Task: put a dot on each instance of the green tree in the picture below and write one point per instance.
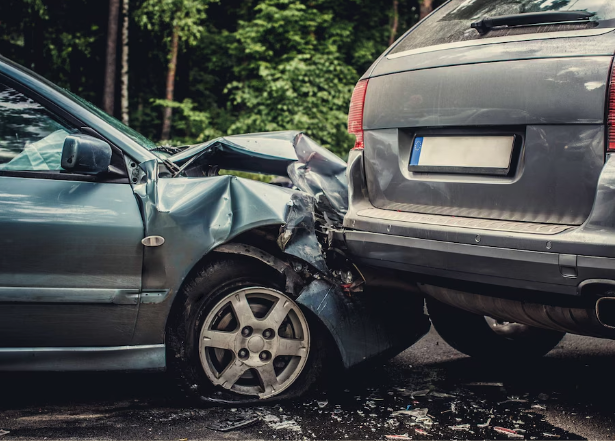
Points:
(179, 21)
(291, 75)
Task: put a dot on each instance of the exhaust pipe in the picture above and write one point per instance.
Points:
(595, 320)
(605, 311)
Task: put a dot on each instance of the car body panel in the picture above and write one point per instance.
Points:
(114, 358)
(549, 186)
(64, 237)
(525, 92)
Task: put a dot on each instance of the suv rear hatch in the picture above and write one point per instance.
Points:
(507, 126)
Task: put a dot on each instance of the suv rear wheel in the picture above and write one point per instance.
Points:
(239, 337)
(484, 337)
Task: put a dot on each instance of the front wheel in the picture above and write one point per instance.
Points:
(239, 337)
(483, 337)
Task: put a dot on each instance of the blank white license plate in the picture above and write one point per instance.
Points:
(462, 154)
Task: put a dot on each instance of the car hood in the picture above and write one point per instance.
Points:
(310, 167)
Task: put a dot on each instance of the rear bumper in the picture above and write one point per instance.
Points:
(519, 269)
(535, 259)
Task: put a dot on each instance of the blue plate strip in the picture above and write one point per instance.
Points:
(416, 151)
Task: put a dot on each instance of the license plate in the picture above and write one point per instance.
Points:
(462, 154)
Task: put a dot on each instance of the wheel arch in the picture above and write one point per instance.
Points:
(260, 247)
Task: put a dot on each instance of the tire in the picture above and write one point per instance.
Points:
(237, 309)
(482, 337)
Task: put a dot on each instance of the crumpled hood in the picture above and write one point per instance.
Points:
(311, 168)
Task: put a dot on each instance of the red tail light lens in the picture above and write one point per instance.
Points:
(610, 123)
(355, 113)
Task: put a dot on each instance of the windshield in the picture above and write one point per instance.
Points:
(133, 134)
(451, 23)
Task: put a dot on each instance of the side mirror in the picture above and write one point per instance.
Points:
(85, 154)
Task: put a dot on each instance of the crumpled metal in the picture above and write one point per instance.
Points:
(311, 168)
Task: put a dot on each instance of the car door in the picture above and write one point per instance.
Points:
(70, 251)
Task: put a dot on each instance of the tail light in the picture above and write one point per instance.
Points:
(610, 122)
(355, 114)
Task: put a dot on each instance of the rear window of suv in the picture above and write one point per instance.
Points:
(451, 23)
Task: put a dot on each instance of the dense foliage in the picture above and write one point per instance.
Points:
(243, 65)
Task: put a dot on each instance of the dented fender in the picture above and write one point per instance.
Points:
(198, 212)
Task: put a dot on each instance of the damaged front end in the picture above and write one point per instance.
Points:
(296, 231)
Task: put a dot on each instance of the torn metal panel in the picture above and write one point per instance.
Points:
(196, 215)
(366, 326)
(311, 168)
(320, 173)
(269, 153)
(298, 234)
(294, 283)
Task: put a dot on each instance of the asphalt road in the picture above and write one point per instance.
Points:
(570, 394)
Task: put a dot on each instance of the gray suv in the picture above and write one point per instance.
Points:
(483, 170)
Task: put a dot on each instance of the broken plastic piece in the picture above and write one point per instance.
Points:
(442, 395)
(405, 436)
(232, 422)
(484, 384)
(425, 421)
(420, 393)
(483, 425)
(413, 412)
(4, 432)
(460, 427)
(508, 432)
(322, 404)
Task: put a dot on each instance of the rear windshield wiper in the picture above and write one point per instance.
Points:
(531, 18)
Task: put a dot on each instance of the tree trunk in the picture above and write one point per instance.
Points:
(124, 80)
(168, 111)
(109, 92)
(395, 23)
(426, 8)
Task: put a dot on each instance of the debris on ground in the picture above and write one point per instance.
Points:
(512, 400)
(442, 395)
(460, 427)
(483, 425)
(539, 406)
(550, 435)
(322, 404)
(281, 423)
(508, 432)
(484, 384)
(233, 421)
(4, 432)
(420, 393)
(397, 436)
(413, 412)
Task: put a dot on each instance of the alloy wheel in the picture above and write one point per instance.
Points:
(254, 341)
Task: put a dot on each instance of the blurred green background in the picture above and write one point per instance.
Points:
(212, 67)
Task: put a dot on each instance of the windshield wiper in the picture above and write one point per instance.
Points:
(531, 18)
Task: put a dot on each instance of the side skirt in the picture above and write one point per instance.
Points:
(116, 358)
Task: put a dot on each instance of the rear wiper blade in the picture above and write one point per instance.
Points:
(531, 18)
